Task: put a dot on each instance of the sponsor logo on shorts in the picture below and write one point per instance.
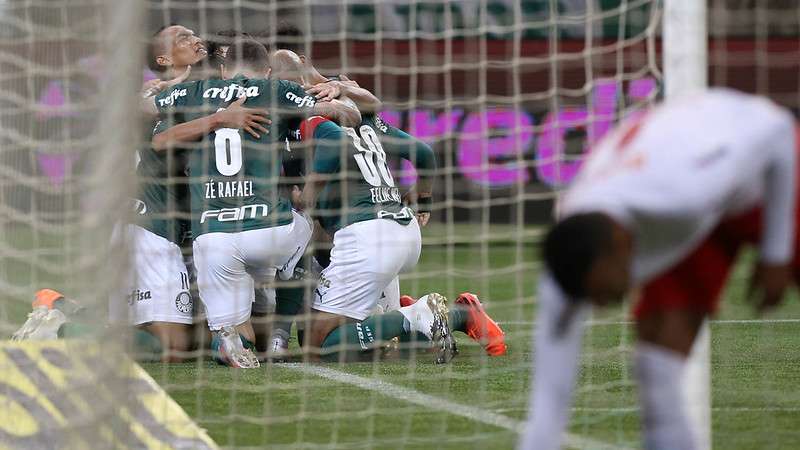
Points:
(138, 295)
(184, 303)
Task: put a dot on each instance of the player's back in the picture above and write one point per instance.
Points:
(361, 185)
(234, 176)
(162, 199)
(674, 172)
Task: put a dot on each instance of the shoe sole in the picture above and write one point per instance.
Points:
(442, 341)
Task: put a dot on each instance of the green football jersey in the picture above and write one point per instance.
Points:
(234, 176)
(162, 203)
(360, 183)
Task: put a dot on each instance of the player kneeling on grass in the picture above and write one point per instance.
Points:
(665, 202)
(244, 229)
(375, 239)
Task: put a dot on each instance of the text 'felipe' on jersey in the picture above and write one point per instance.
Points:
(355, 161)
(234, 176)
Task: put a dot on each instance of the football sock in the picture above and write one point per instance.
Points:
(350, 342)
(661, 374)
(146, 346)
(457, 317)
(288, 304)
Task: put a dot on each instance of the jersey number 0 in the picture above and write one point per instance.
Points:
(228, 150)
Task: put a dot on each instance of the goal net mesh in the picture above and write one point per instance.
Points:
(510, 94)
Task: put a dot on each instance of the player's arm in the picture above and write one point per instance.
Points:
(327, 140)
(150, 89)
(365, 100)
(297, 105)
(559, 330)
(773, 273)
(234, 116)
(342, 112)
(421, 156)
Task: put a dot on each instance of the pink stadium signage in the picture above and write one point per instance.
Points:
(500, 146)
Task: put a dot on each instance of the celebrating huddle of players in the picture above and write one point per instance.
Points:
(260, 152)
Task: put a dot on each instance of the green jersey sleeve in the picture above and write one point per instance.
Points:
(293, 100)
(403, 145)
(329, 139)
(175, 98)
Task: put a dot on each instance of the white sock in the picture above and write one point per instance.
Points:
(661, 374)
(419, 316)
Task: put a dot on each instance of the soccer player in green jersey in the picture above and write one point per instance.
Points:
(155, 296)
(351, 202)
(244, 229)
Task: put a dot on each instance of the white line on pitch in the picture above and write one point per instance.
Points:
(635, 409)
(630, 322)
(435, 403)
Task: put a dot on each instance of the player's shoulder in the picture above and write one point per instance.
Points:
(374, 120)
(287, 85)
(169, 96)
(327, 129)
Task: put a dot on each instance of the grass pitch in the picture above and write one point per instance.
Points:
(755, 368)
(755, 371)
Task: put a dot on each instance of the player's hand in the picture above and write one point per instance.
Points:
(247, 119)
(768, 284)
(348, 81)
(325, 92)
(297, 198)
(153, 87)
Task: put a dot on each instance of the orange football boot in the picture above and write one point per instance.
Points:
(47, 298)
(481, 327)
(407, 300)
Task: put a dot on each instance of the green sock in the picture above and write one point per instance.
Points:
(77, 330)
(288, 304)
(457, 317)
(352, 341)
(146, 347)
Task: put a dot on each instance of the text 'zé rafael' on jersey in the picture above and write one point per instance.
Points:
(234, 176)
(360, 185)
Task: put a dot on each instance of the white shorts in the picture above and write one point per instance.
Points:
(229, 265)
(390, 299)
(365, 258)
(157, 288)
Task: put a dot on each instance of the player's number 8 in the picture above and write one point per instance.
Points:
(372, 160)
(228, 151)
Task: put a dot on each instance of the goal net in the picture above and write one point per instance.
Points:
(509, 94)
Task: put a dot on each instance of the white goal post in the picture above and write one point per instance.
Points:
(685, 65)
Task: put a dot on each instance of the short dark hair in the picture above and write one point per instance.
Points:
(218, 43)
(246, 51)
(289, 37)
(573, 245)
(154, 50)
